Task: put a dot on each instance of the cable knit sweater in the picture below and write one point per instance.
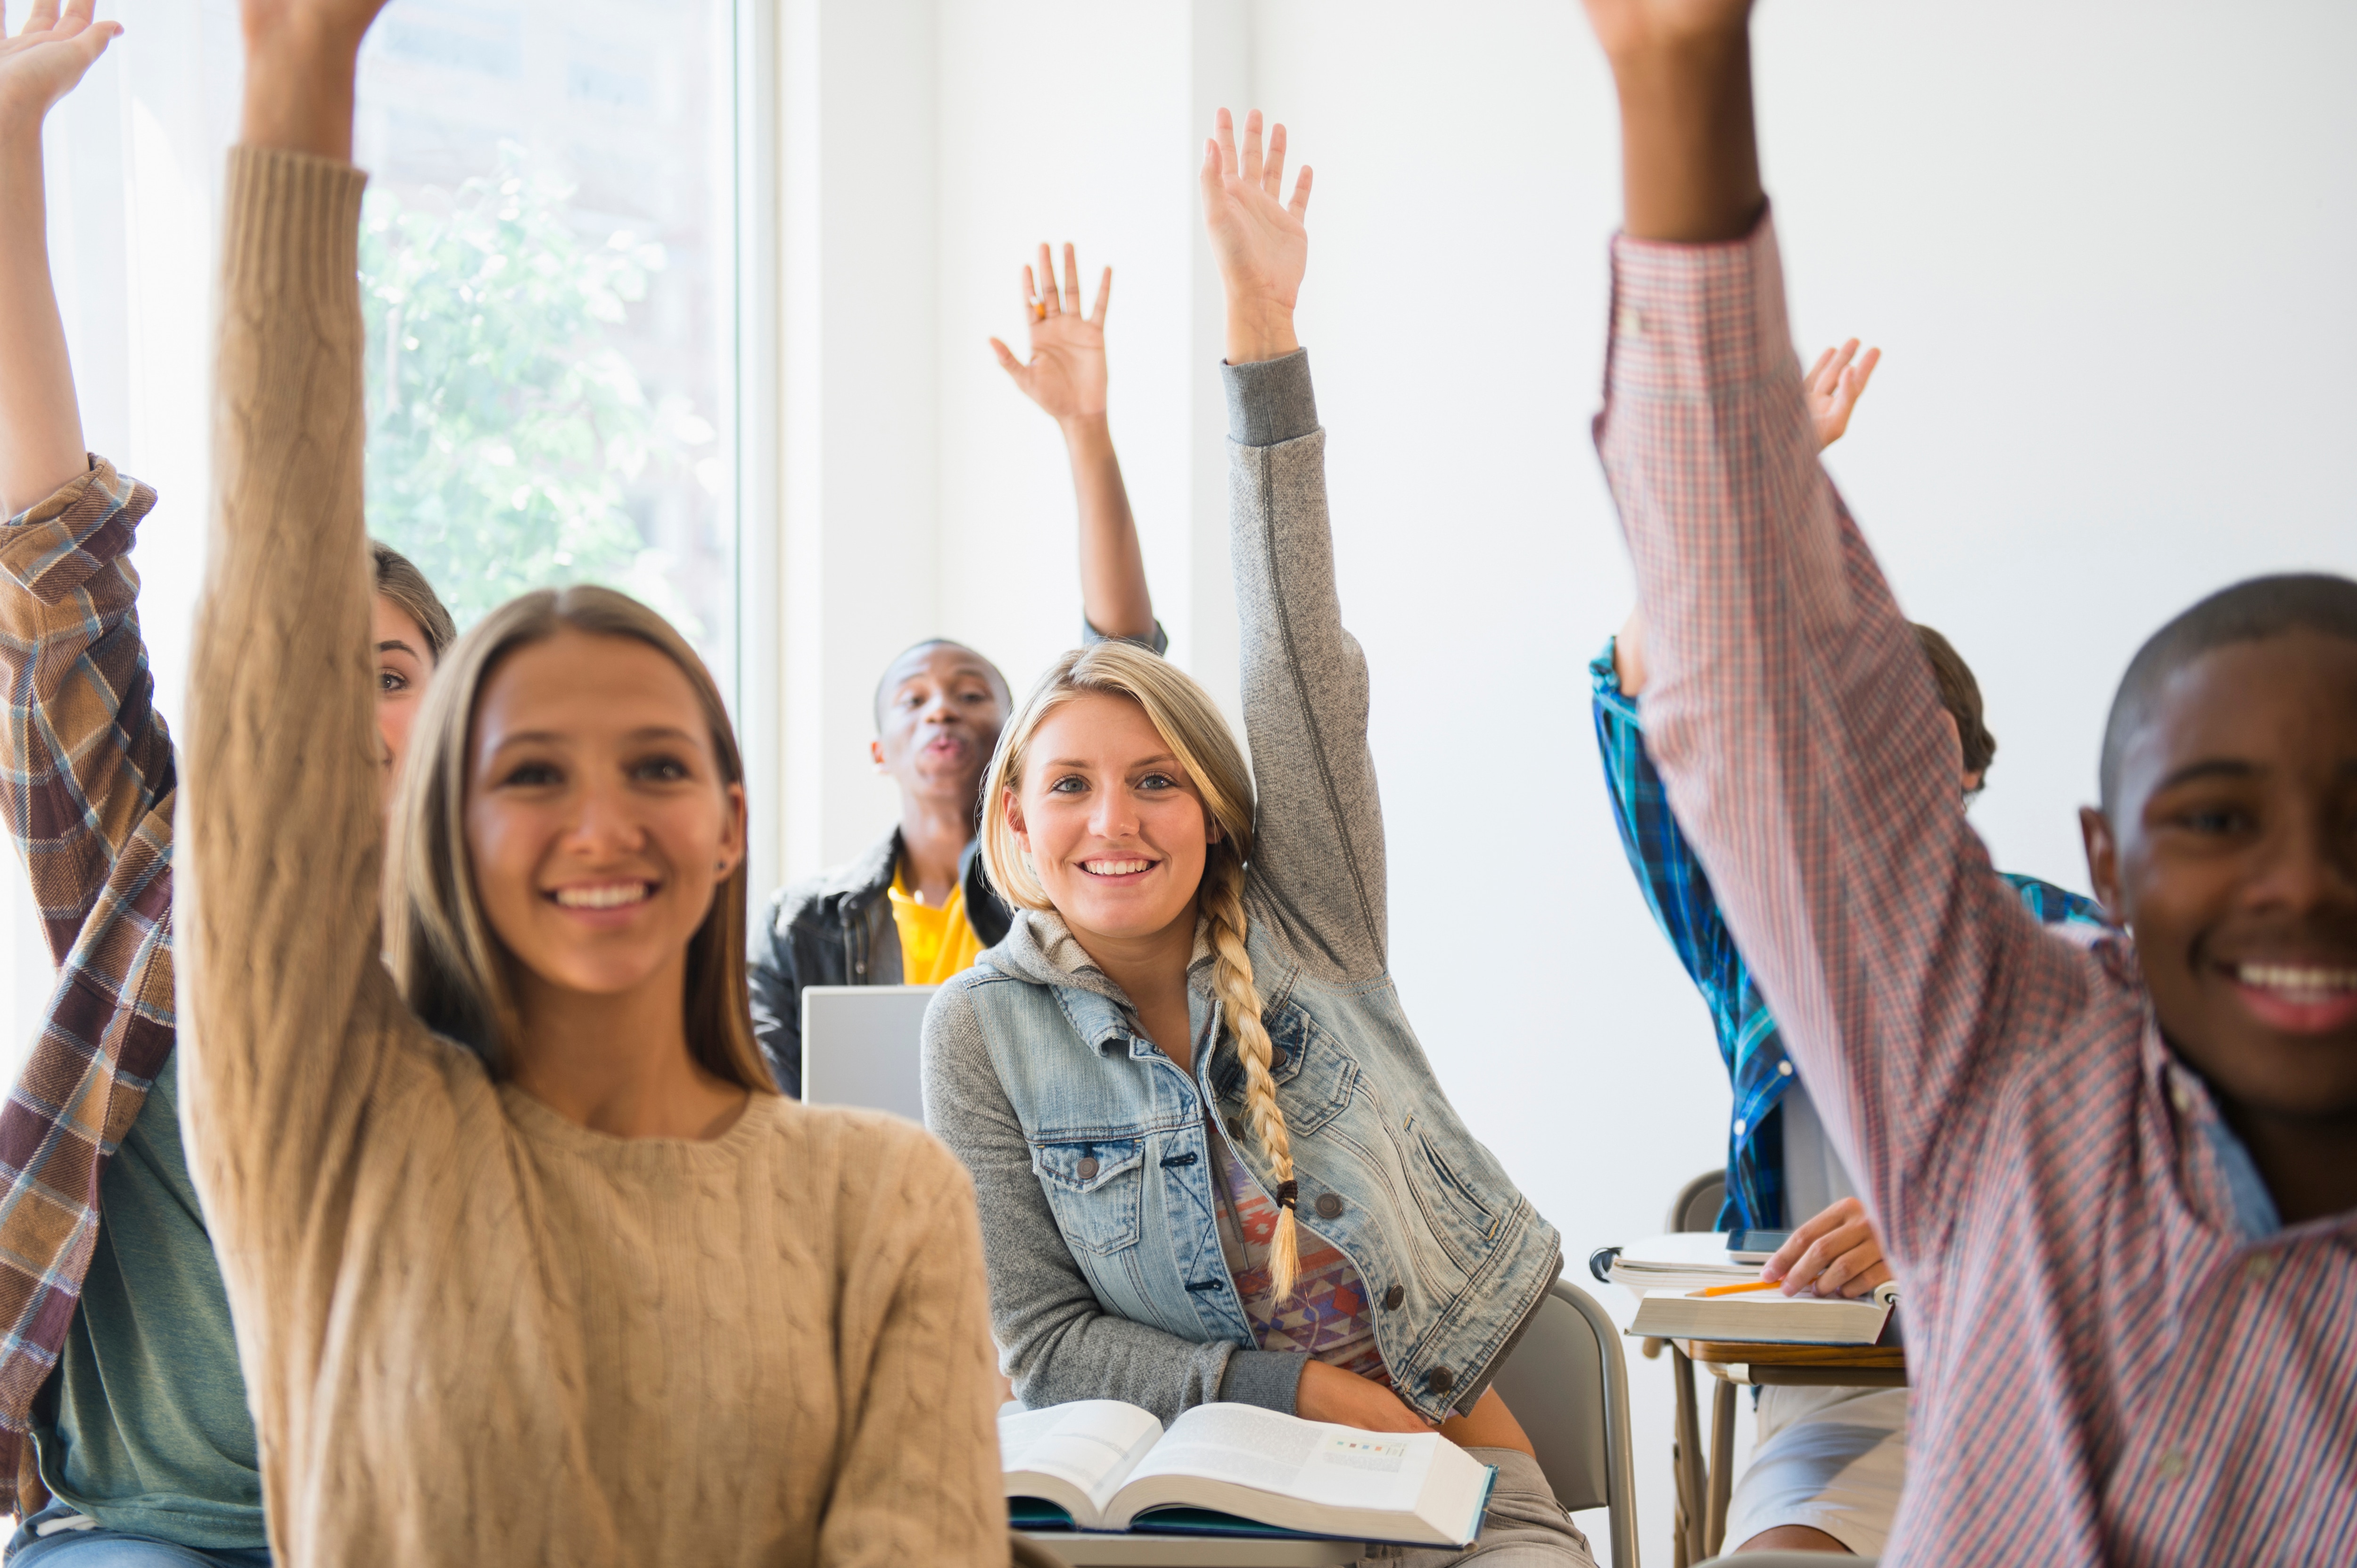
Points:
(474, 1332)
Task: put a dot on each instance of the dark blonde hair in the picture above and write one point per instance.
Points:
(399, 580)
(450, 966)
(1191, 726)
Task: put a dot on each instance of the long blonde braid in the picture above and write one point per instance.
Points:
(1188, 720)
(1231, 976)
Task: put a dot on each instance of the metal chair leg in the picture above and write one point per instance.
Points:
(1722, 1466)
(1693, 1479)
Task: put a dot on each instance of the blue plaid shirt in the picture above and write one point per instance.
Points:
(1679, 893)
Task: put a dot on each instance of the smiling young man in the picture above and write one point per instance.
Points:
(918, 906)
(2117, 1173)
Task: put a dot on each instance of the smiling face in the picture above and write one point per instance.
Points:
(939, 712)
(1115, 827)
(598, 819)
(404, 662)
(2231, 851)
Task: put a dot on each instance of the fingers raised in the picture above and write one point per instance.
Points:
(1300, 204)
(1251, 164)
(1272, 174)
(1104, 292)
(1071, 281)
(1007, 360)
(1046, 281)
(1223, 137)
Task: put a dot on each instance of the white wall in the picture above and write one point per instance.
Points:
(2105, 247)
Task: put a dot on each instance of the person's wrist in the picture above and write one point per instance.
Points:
(1084, 432)
(300, 84)
(1259, 329)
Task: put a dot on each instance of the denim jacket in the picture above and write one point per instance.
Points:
(1089, 1145)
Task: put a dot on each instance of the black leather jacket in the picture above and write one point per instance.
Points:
(837, 929)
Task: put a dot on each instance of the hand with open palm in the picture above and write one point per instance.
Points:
(46, 58)
(1065, 373)
(1258, 237)
(1835, 385)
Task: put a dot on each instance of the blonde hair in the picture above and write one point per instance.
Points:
(1190, 725)
(450, 965)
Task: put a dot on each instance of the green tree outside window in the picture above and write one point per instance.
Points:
(504, 424)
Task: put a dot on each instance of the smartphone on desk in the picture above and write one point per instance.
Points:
(1755, 1246)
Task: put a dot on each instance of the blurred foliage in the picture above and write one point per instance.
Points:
(504, 426)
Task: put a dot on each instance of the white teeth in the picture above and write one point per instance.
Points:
(612, 896)
(1114, 867)
(2297, 978)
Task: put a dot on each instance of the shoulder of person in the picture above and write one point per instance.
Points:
(874, 1150)
(820, 897)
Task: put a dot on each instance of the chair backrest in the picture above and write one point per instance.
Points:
(1569, 1386)
(1697, 1204)
(863, 1045)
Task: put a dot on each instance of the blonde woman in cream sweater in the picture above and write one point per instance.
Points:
(528, 1262)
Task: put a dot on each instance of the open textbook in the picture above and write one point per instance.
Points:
(1110, 1466)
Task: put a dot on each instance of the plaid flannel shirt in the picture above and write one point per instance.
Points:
(2113, 1361)
(1678, 891)
(87, 787)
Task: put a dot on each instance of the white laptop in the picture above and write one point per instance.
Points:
(861, 1044)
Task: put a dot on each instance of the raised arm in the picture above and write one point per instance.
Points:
(1318, 854)
(288, 1010)
(40, 426)
(1066, 377)
(1787, 705)
(88, 764)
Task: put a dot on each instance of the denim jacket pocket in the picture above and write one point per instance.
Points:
(1315, 1075)
(1096, 1188)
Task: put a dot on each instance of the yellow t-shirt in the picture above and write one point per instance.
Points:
(935, 944)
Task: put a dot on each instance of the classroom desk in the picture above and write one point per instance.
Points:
(1083, 1548)
(1703, 1487)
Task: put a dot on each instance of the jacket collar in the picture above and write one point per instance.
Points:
(1039, 947)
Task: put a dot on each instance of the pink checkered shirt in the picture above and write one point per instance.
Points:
(2109, 1367)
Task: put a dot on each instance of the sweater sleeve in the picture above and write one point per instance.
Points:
(1798, 732)
(1317, 853)
(1057, 1340)
(919, 1465)
(288, 1015)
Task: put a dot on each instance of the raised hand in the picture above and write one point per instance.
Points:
(1835, 1253)
(1835, 385)
(46, 60)
(1630, 28)
(1258, 237)
(1065, 373)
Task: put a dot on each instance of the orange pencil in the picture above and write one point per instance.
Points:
(1737, 1290)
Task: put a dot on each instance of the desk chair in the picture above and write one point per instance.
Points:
(1697, 1204)
(1703, 1489)
(1567, 1384)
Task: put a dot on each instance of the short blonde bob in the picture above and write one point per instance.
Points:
(452, 968)
(1192, 726)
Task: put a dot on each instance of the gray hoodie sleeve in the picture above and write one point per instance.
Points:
(1318, 858)
(1055, 1340)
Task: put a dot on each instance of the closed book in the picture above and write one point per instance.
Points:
(1764, 1318)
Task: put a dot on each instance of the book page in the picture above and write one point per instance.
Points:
(1090, 1445)
(1334, 1466)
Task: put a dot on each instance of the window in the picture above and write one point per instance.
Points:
(550, 251)
(547, 260)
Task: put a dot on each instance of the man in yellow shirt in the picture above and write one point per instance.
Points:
(916, 908)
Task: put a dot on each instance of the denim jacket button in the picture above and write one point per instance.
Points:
(1329, 1205)
(1440, 1380)
(1087, 1169)
(1393, 1297)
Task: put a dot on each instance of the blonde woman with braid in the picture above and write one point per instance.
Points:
(1212, 1161)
